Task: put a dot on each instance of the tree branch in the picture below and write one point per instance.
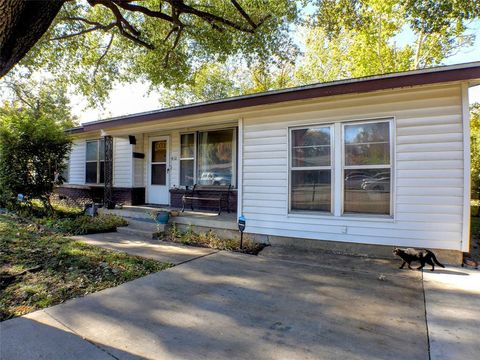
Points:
(103, 56)
(175, 43)
(98, 27)
(243, 13)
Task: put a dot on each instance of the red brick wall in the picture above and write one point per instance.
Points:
(87, 194)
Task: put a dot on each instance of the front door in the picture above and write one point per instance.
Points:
(158, 171)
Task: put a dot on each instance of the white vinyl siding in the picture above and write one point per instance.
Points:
(138, 163)
(77, 163)
(122, 162)
(427, 169)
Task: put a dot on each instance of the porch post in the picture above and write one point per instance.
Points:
(108, 173)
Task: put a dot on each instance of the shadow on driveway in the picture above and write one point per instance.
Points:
(236, 306)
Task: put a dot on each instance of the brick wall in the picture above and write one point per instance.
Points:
(87, 194)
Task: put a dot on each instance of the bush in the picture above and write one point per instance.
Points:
(84, 224)
(33, 148)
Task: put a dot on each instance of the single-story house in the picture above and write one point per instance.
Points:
(377, 160)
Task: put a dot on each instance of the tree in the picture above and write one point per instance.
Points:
(92, 44)
(210, 82)
(362, 40)
(33, 148)
(475, 149)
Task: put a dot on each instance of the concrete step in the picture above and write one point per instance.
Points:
(144, 224)
(128, 213)
(145, 234)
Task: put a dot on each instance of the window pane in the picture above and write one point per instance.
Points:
(91, 172)
(186, 172)
(367, 144)
(215, 165)
(92, 150)
(102, 172)
(311, 190)
(159, 174)
(188, 146)
(311, 147)
(101, 152)
(159, 151)
(367, 191)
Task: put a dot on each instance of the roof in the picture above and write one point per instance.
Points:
(467, 71)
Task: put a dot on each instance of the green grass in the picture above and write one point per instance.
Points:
(83, 224)
(68, 268)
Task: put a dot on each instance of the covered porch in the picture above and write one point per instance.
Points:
(168, 164)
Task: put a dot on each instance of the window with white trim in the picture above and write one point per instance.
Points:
(208, 157)
(364, 177)
(367, 168)
(95, 162)
(187, 159)
(311, 169)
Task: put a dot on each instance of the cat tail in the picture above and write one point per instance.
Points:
(434, 258)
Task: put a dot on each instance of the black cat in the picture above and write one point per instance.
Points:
(423, 256)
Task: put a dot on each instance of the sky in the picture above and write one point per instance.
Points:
(133, 98)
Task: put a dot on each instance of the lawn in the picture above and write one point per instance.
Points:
(58, 268)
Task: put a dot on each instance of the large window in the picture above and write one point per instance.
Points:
(215, 157)
(95, 162)
(208, 158)
(362, 177)
(311, 169)
(367, 168)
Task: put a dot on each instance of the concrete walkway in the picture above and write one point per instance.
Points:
(226, 305)
(453, 313)
(158, 250)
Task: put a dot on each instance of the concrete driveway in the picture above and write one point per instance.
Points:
(226, 305)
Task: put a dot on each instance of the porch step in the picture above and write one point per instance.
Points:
(128, 214)
(145, 234)
(143, 224)
(206, 220)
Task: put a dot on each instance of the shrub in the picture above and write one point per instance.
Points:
(33, 148)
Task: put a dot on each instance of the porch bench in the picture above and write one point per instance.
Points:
(195, 194)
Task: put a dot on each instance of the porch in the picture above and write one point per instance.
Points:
(141, 222)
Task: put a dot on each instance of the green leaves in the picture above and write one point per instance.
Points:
(33, 147)
(87, 46)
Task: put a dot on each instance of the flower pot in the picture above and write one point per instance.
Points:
(162, 217)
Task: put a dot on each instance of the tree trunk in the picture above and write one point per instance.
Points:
(22, 24)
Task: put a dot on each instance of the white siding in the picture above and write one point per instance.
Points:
(77, 163)
(122, 162)
(139, 164)
(428, 169)
(174, 159)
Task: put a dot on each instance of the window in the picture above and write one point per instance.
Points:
(187, 159)
(216, 158)
(367, 168)
(311, 169)
(362, 179)
(159, 163)
(95, 161)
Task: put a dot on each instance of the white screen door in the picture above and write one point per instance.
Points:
(158, 171)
